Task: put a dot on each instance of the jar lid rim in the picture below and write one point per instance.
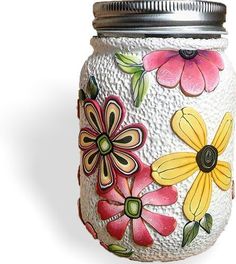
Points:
(155, 17)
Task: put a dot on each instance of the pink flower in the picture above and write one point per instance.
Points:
(128, 205)
(106, 147)
(195, 70)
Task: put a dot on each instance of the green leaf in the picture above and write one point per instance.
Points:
(92, 88)
(191, 230)
(140, 85)
(120, 251)
(206, 223)
(128, 63)
(82, 95)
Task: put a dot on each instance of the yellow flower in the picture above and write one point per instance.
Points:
(190, 127)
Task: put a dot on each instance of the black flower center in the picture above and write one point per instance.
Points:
(188, 54)
(207, 158)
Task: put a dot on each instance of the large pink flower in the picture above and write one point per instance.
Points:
(128, 204)
(106, 147)
(195, 70)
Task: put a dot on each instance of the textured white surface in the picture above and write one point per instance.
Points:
(155, 113)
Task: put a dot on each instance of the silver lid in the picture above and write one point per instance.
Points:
(159, 17)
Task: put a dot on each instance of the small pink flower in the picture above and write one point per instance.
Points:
(128, 205)
(195, 70)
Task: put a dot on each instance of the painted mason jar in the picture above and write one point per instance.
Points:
(156, 108)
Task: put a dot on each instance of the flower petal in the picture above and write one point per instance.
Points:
(91, 230)
(90, 160)
(141, 234)
(127, 163)
(223, 134)
(114, 114)
(106, 175)
(222, 175)
(107, 210)
(164, 225)
(123, 186)
(189, 126)
(87, 138)
(174, 168)
(198, 199)
(214, 57)
(210, 73)
(170, 73)
(155, 59)
(163, 196)
(142, 180)
(112, 196)
(117, 227)
(192, 82)
(93, 114)
(131, 137)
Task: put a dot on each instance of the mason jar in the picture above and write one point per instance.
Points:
(156, 107)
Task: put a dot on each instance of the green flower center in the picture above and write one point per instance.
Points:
(207, 158)
(188, 54)
(104, 144)
(133, 207)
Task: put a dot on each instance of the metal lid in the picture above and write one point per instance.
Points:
(159, 17)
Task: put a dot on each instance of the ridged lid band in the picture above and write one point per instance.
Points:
(160, 17)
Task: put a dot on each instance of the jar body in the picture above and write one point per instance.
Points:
(181, 122)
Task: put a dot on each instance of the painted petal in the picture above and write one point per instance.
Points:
(222, 175)
(223, 135)
(209, 72)
(80, 211)
(142, 180)
(117, 227)
(131, 137)
(192, 82)
(112, 196)
(174, 168)
(141, 234)
(93, 114)
(198, 199)
(87, 138)
(127, 163)
(164, 225)
(170, 73)
(107, 210)
(91, 230)
(123, 185)
(155, 59)
(114, 113)
(163, 196)
(214, 57)
(106, 175)
(189, 126)
(90, 160)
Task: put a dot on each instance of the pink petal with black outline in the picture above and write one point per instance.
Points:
(141, 234)
(164, 225)
(117, 227)
(170, 73)
(164, 196)
(214, 57)
(192, 82)
(141, 180)
(210, 73)
(107, 210)
(155, 59)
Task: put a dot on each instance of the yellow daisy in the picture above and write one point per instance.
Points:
(171, 169)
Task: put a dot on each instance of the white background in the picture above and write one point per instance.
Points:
(42, 48)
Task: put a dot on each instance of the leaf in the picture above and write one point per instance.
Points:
(128, 63)
(120, 251)
(82, 95)
(191, 230)
(92, 88)
(206, 223)
(140, 85)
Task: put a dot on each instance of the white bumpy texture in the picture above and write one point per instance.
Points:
(155, 113)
